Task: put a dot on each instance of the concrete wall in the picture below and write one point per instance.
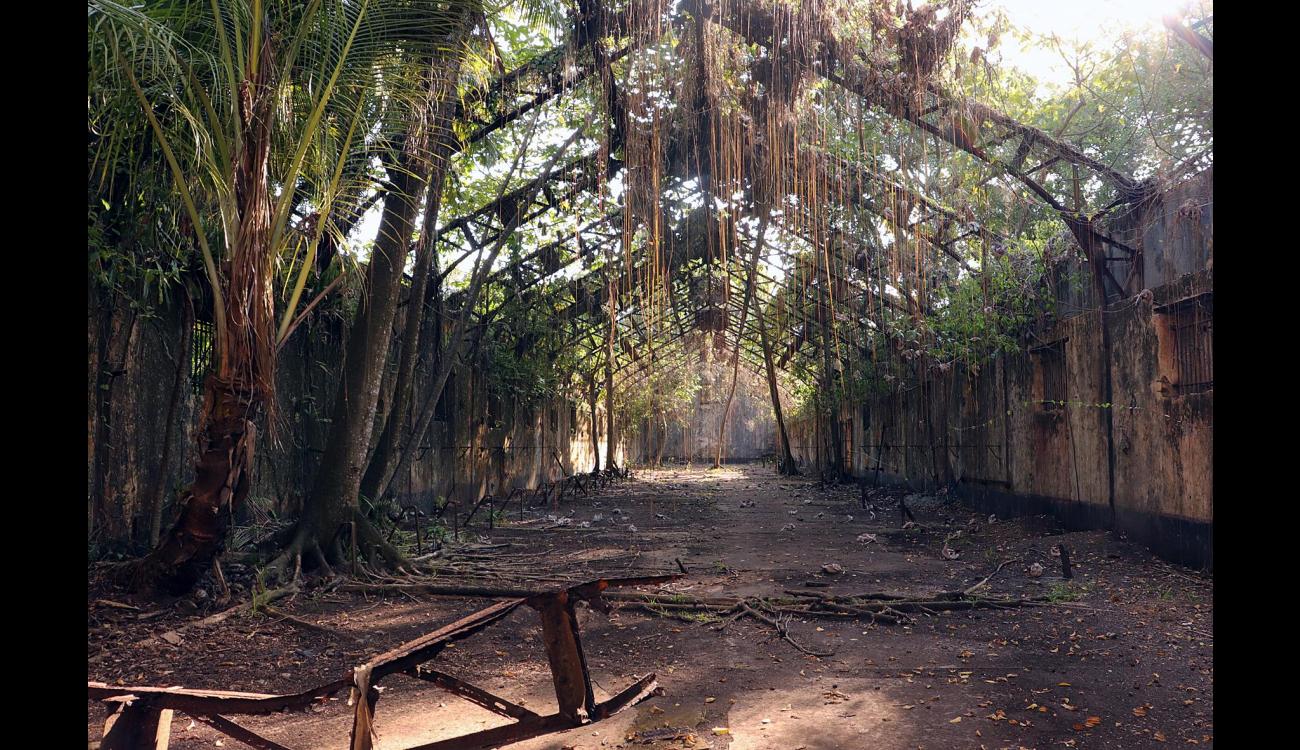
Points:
(751, 429)
(132, 361)
(985, 431)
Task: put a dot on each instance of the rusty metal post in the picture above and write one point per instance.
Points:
(573, 690)
(134, 724)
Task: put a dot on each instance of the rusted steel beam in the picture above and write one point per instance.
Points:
(472, 693)
(210, 702)
(629, 696)
(535, 727)
(244, 735)
(423, 649)
(502, 735)
(569, 671)
(363, 698)
(135, 723)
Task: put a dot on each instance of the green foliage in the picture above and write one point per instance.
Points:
(1063, 591)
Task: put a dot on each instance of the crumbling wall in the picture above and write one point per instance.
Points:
(1138, 462)
(132, 362)
(751, 429)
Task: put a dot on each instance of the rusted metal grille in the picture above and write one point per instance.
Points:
(200, 354)
(1192, 323)
(1051, 367)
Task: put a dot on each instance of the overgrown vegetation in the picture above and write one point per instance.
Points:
(590, 203)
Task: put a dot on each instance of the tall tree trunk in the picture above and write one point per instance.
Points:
(595, 422)
(457, 339)
(398, 422)
(787, 466)
(609, 386)
(663, 442)
(750, 283)
(835, 457)
(333, 500)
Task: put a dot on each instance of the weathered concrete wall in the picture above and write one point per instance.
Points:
(986, 432)
(751, 429)
(132, 362)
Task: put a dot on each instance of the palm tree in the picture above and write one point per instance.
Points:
(264, 113)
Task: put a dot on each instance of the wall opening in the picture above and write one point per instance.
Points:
(1190, 325)
(201, 349)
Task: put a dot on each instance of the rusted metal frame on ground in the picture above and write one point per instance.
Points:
(136, 723)
(243, 734)
(472, 693)
(142, 715)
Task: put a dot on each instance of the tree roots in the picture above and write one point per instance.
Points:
(354, 546)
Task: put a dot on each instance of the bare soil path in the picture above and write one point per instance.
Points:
(1122, 658)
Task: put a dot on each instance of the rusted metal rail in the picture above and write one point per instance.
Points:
(140, 717)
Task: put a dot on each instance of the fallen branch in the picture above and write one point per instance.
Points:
(781, 630)
(258, 600)
(308, 624)
(986, 579)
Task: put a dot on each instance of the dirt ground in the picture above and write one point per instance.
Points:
(1122, 657)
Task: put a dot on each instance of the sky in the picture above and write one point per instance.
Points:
(1085, 20)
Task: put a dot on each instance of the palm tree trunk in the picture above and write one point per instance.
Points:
(243, 381)
(222, 475)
